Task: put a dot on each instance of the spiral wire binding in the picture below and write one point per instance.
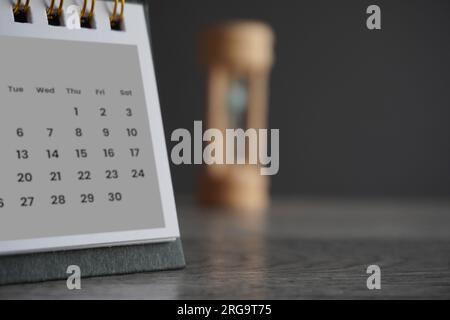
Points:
(50, 10)
(86, 20)
(115, 18)
(54, 18)
(18, 7)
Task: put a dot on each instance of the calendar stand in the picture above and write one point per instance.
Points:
(47, 266)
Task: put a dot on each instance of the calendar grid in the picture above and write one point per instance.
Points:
(77, 148)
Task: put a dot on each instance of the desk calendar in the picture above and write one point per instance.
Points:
(83, 161)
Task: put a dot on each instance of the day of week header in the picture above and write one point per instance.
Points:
(68, 91)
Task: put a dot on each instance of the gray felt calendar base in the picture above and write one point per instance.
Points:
(46, 266)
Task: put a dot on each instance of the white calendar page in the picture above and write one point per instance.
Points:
(83, 161)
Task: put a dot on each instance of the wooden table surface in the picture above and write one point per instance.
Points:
(310, 248)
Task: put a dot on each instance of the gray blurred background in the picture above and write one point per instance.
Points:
(360, 113)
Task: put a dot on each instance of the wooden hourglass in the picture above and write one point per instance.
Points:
(238, 57)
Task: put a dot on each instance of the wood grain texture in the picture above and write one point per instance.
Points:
(301, 249)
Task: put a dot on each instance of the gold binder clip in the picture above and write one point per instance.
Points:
(86, 20)
(115, 19)
(54, 17)
(18, 7)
